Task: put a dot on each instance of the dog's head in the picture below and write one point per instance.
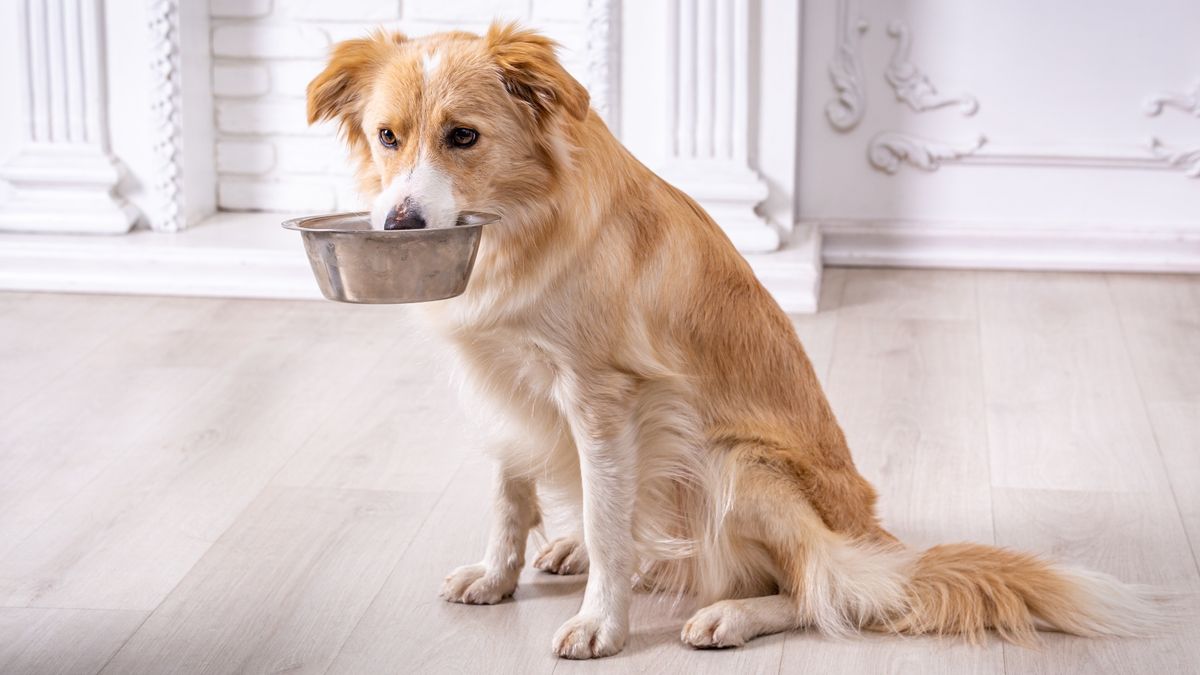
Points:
(450, 122)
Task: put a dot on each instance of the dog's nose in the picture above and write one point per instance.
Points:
(404, 217)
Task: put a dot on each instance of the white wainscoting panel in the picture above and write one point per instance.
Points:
(1003, 134)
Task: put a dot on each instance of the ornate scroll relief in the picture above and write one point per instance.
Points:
(911, 85)
(846, 110)
(1188, 160)
(164, 64)
(603, 35)
(889, 149)
(1187, 102)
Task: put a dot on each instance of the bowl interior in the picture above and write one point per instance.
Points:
(360, 221)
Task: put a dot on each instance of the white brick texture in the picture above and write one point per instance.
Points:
(239, 8)
(249, 157)
(291, 196)
(341, 10)
(266, 52)
(240, 80)
(279, 42)
(473, 11)
(267, 117)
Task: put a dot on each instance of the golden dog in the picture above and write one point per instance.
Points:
(645, 376)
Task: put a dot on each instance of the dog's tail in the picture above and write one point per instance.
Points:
(966, 589)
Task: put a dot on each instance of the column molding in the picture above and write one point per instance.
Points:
(604, 60)
(64, 177)
(165, 101)
(708, 103)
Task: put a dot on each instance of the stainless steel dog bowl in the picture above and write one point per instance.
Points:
(354, 263)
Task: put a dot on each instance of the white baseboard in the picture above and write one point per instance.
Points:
(907, 244)
(248, 255)
(229, 255)
(793, 273)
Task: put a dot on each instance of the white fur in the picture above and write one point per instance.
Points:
(426, 187)
(565, 555)
(429, 63)
(730, 623)
(1108, 606)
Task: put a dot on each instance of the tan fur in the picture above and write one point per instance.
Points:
(636, 366)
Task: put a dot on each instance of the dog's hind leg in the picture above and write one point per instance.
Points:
(730, 623)
(515, 513)
(825, 579)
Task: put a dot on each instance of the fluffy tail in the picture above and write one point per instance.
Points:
(965, 589)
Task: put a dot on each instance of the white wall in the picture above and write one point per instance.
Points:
(1066, 176)
(264, 55)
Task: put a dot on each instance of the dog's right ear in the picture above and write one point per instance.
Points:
(532, 73)
(334, 94)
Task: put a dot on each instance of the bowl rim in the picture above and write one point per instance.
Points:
(311, 223)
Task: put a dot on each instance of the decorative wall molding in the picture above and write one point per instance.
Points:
(165, 101)
(64, 177)
(1154, 155)
(911, 85)
(888, 150)
(708, 107)
(902, 243)
(1188, 159)
(604, 59)
(1188, 102)
(846, 109)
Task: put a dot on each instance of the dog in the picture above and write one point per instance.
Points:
(642, 376)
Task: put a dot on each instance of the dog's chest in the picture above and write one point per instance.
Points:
(517, 363)
(521, 367)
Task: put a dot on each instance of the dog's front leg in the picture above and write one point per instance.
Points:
(515, 512)
(605, 439)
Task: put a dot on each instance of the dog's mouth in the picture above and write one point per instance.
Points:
(406, 216)
(409, 217)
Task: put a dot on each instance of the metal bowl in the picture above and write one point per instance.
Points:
(354, 263)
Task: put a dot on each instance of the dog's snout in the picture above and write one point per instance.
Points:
(404, 217)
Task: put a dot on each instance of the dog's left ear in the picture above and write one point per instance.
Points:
(532, 73)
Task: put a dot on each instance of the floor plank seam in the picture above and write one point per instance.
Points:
(332, 410)
(399, 558)
(983, 398)
(1137, 379)
(129, 447)
(129, 637)
(987, 441)
(117, 331)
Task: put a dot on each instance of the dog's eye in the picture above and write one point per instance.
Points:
(387, 138)
(462, 137)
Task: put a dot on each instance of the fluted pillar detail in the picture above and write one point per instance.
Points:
(708, 108)
(64, 177)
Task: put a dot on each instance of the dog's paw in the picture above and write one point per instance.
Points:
(475, 585)
(565, 555)
(589, 636)
(719, 625)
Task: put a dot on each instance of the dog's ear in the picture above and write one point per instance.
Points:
(532, 73)
(335, 93)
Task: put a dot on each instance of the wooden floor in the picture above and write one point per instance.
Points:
(251, 487)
